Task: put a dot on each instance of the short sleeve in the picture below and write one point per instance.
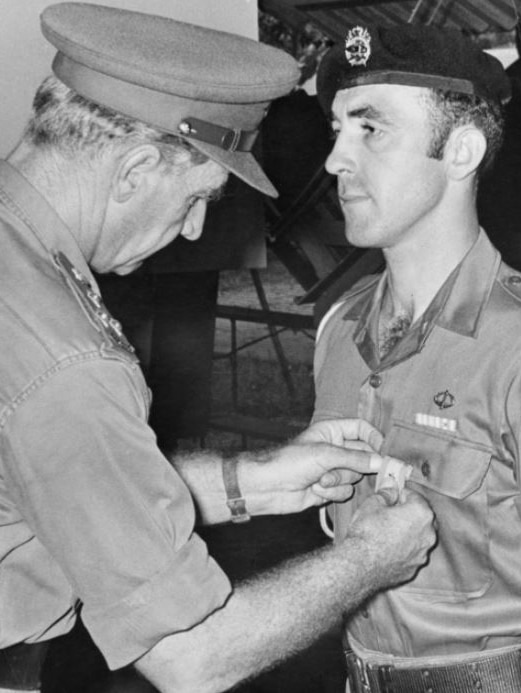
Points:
(85, 472)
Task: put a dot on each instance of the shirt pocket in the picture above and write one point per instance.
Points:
(451, 474)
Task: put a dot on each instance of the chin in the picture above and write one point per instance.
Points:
(126, 269)
(360, 241)
(363, 236)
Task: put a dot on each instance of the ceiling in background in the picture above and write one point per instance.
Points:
(330, 16)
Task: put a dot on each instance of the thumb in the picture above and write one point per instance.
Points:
(390, 494)
(331, 478)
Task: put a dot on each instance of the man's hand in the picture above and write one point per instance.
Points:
(322, 465)
(352, 434)
(397, 539)
(342, 432)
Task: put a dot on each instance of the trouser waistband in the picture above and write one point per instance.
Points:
(486, 672)
(21, 666)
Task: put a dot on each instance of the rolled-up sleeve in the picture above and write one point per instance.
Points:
(85, 472)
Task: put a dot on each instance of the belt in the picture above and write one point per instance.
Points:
(21, 666)
(497, 673)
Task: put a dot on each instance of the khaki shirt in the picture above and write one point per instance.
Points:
(448, 400)
(90, 510)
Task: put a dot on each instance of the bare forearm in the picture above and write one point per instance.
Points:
(274, 481)
(267, 619)
(202, 473)
(285, 609)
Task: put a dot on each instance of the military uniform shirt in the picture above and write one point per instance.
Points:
(90, 510)
(447, 399)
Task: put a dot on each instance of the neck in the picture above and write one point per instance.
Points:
(74, 191)
(418, 269)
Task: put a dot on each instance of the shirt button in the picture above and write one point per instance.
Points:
(426, 469)
(514, 279)
(375, 380)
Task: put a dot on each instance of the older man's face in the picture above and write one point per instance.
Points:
(174, 204)
(388, 188)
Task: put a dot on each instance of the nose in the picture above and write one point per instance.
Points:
(341, 158)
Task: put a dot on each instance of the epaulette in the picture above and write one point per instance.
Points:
(92, 302)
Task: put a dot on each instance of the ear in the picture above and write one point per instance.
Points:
(194, 220)
(133, 171)
(464, 151)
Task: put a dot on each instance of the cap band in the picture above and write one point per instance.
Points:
(160, 109)
(412, 79)
(232, 140)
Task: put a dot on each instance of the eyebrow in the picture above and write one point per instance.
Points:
(367, 111)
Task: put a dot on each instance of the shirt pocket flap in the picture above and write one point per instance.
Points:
(451, 466)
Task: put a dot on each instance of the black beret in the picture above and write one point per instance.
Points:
(413, 55)
(209, 87)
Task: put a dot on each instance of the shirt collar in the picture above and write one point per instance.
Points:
(459, 303)
(473, 283)
(26, 203)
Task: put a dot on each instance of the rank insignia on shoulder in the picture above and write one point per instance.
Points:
(93, 302)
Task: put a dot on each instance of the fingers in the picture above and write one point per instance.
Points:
(341, 463)
(339, 431)
(337, 485)
(337, 477)
(390, 495)
(332, 494)
(370, 435)
(357, 445)
(398, 537)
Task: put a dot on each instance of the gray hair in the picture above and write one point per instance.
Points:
(74, 125)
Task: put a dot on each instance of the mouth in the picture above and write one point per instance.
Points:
(348, 195)
(349, 198)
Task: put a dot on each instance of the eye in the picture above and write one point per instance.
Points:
(215, 195)
(334, 131)
(371, 129)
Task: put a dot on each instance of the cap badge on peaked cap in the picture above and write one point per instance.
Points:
(358, 46)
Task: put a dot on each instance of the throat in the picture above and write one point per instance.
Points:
(391, 331)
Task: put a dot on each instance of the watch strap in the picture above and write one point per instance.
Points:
(234, 499)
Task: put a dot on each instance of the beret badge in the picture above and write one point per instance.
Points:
(358, 46)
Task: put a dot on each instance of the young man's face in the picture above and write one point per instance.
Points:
(172, 204)
(387, 186)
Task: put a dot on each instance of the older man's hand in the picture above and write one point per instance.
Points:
(321, 465)
(344, 433)
(397, 539)
(352, 434)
